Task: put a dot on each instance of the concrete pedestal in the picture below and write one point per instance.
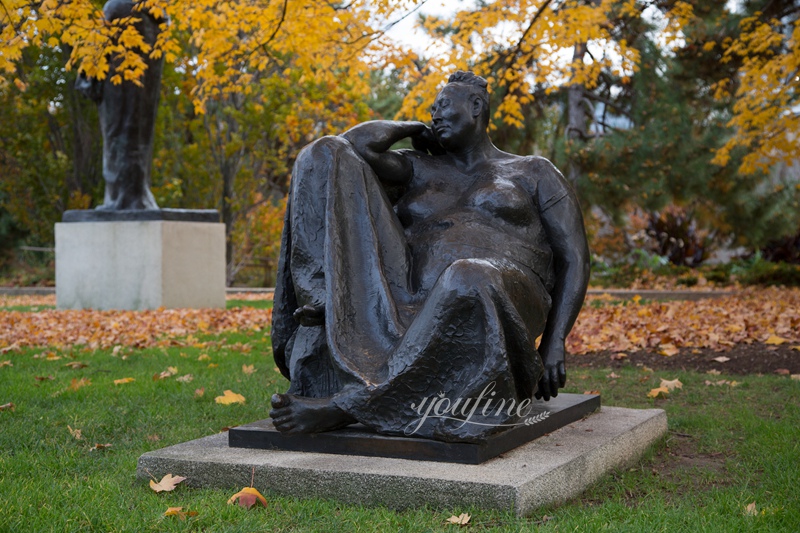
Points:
(139, 265)
(551, 469)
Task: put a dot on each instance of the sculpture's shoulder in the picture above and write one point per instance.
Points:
(538, 167)
(547, 182)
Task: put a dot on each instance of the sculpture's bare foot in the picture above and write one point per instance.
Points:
(298, 414)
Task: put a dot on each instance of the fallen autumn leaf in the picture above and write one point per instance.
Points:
(228, 397)
(671, 385)
(247, 497)
(76, 383)
(460, 520)
(167, 483)
(668, 350)
(775, 340)
(179, 512)
(662, 392)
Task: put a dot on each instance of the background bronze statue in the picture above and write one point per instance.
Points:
(418, 273)
(127, 119)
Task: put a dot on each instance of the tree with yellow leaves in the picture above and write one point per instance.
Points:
(263, 76)
(766, 89)
(225, 45)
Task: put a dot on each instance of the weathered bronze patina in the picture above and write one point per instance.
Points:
(410, 275)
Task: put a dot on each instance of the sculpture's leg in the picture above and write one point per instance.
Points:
(476, 330)
(342, 249)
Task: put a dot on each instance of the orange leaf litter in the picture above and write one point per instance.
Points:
(748, 316)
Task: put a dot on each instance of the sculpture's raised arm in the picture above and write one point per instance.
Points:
(373, 140)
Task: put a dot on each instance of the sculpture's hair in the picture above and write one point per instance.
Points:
(478, 86)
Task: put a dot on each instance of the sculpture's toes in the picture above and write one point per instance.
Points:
(280, 400)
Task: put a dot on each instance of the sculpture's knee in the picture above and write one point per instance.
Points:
(324, 148)
(465, 278)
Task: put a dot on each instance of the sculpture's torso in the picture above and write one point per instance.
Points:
(487, 213)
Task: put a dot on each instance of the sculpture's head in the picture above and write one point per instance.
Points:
(117, 9)
(461, 110)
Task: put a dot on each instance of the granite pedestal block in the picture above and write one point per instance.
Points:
(140, 264)
(551, 469)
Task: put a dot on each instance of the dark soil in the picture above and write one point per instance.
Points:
(753, 358)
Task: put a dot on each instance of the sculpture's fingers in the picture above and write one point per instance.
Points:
(544, 388)
(562, 375)
(554, 380)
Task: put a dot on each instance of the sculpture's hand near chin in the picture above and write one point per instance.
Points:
(426, 141)
(555, 373)
(310, 315)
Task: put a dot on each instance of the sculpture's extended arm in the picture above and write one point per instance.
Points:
(563, 223)
(373, 140)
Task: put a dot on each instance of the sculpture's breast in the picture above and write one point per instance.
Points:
(503, 198)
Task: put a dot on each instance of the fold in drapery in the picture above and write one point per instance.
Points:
(385, 346)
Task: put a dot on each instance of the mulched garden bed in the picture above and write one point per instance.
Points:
(756, 358)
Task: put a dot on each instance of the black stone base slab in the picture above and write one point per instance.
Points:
(136, 215)
(358, 440)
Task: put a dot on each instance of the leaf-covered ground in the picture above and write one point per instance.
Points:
(749, 316)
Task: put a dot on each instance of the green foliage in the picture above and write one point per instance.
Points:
(49, 146)
(757, 271)
(663, 158)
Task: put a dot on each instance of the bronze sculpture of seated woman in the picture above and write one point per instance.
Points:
(412, 274)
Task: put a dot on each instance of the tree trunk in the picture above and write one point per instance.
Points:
(576, 120)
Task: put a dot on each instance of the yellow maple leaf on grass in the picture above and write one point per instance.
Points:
(76, 384)
(662, 392)
(671, 385)
(123, 381)
(167, 483)
(229, 397)
(248, 497)
(179, 512)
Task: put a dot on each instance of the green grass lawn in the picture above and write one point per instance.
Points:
(727, 447)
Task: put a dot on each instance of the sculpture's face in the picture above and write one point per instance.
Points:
(453, 115)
